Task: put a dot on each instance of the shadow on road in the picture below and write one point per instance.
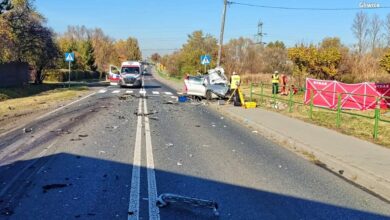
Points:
(64, 186)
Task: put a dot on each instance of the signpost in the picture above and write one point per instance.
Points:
(205, 60)
(69, 57)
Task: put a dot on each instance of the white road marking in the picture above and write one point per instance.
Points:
(174, 97)
(55, 110)
(168, 93)
(116, 91)
(129, 91)
(47, 114)
(102, 91)
(154, 211)
(156, 92)
(142, 92)
(136, 175)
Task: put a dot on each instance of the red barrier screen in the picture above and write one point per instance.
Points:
(360, 96)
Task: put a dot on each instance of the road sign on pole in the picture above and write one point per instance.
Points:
(69, 57)
(205, 60)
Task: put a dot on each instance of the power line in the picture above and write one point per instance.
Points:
(306, 9)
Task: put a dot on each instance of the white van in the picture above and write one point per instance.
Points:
(129, 75)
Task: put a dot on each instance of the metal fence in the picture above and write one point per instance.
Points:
(262, 95)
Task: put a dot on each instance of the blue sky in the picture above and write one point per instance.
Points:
(163, 25)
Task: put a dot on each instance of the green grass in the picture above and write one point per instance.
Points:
(351, 124)
(166, 76)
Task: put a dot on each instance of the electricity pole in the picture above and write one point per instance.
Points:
(259, 36)
(225, 2)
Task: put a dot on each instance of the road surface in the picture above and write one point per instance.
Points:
(111, 154)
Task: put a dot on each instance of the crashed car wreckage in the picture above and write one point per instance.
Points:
(214, 84)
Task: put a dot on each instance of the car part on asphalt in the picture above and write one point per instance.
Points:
(165, 199)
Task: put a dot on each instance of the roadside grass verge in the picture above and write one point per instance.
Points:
(357, 126)
(166, 76)
(31, 90)
(25, 101)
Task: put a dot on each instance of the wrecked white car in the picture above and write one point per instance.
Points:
(209, 86)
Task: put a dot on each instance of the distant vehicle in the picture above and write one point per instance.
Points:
(209, 86)
(129, 75)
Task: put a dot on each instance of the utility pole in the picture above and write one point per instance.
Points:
(225, 2)
(259, 36)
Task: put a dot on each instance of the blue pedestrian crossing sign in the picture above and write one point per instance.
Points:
(69, 57)
(205, 59)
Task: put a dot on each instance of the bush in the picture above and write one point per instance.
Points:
(62, 75)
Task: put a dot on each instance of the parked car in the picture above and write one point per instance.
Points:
(129, 75)
(209, 86)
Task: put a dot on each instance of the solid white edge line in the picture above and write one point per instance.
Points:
(116, 91)
(55, 110)
(154, 212)
(136, 173)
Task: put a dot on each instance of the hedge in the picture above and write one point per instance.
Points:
(61, 75)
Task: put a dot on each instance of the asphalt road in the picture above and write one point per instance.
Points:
(111, 154)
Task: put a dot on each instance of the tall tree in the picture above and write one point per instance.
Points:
(360, 30)
(375, 31)
(128, 49)
(155, 57)
(387, 26)
(87, 55)
(5, 5)
(28, 39)
(103, 49)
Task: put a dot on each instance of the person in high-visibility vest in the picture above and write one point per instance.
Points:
(235, 81)
(275, 82)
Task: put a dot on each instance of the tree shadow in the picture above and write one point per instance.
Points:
(66, 186)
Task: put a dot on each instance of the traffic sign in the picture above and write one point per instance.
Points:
(69, 57)
(205, 59)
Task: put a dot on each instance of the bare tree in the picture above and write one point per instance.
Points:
(387, 26)
(360, 30)
(374, 31)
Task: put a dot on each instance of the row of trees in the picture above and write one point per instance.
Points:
(25, 37)
(368, 60)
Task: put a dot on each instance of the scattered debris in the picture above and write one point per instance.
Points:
(179, 163)
(83, 135)
(191, 155)
(222, 118)
(130, 213)
(11, 108)
(75, 139)
(341, 172)
(121, 117)
(169, 145)
(53, 186)
(7, 212)
(27, 130)
(255, 132)
(164, 199)
(198, 126)
(280, 166)
(102, 152)
(154, 118)
(60, 131)
(170, 103)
